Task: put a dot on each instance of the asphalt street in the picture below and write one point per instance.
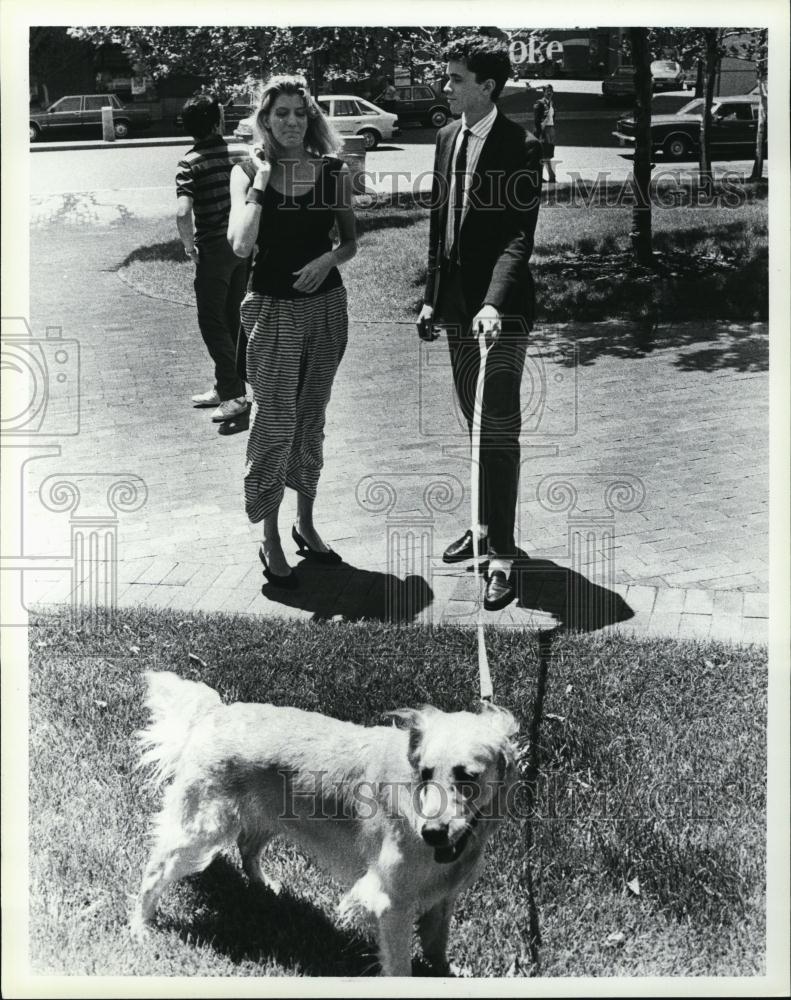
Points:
(150, 171)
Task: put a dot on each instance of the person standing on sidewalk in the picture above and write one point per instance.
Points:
(288, 198)
(544, 118)
(204, 202)
(479, 283)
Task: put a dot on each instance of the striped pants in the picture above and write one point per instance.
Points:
(293, 352)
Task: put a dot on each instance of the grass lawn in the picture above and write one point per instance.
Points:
(647, 830)
(713, 263)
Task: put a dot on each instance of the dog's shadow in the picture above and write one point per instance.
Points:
(250, 923)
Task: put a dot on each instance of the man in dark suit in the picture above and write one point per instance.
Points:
(487, 184)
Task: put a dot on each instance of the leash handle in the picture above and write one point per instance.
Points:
(484, 674)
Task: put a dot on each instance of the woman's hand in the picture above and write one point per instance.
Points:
(263, 168)
(312, 275)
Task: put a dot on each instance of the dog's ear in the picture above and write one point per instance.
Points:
(414, 720)
(500, 718)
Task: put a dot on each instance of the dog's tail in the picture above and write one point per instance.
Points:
(175, 705)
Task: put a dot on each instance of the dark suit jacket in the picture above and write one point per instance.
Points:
(496, 236)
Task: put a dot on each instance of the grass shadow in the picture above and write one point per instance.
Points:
(249, 923)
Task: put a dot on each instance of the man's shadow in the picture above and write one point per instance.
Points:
(249, 923)
(353, 593)
(575, 602)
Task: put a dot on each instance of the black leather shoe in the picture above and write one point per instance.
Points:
(461, 549)
(329, 558)
(500, 591)
(288, 582)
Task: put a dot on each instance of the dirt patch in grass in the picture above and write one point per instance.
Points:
(646, 828)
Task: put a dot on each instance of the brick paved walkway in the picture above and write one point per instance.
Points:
(644, 482)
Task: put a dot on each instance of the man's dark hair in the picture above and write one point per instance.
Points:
(200, 114)
(487, 58)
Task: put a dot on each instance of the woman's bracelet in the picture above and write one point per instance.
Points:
(255, 197)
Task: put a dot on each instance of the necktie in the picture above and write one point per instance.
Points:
(459, 172)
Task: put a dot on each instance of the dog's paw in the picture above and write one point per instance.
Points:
(139, 930)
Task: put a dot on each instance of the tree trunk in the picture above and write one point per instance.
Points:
(641, 213)
(760, 139)
(711, 65)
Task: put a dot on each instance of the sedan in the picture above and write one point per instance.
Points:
(348, 115)
(734, 124)
(667, 75)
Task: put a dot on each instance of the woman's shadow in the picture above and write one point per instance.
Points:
(353, 593)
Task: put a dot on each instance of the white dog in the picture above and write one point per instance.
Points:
(399, 814)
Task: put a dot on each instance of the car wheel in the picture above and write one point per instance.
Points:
(34, 132)
(439, 117)
(677, 147)
(371, 138)
(121, 130)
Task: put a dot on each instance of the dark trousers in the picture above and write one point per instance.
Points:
(501, 418)
(220, 279)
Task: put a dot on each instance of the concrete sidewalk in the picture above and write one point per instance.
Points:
(644, 483)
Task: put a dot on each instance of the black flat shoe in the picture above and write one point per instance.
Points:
(289, 582)
(461, 549)
(330, 558)
(500, 591)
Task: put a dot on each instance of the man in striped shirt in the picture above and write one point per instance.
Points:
(204, 202)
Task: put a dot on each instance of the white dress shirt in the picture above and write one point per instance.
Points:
(478, 134)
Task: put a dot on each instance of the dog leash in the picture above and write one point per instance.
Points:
(484, 673)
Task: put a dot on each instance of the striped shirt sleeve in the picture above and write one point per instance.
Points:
(185, 182)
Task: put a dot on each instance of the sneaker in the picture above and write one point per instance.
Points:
(230, 408)
(208, 398)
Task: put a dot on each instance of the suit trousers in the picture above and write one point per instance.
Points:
(220, 278)
(501, 418)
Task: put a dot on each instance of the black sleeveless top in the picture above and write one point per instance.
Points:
(293, 230)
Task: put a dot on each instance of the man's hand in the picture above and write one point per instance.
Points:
(487, 323)
(426, 330)
(192, 254)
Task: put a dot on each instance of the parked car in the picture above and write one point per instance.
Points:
(84, 112)
(734, 124)
(420, 105)
(234, 110)
(666, 74)
(349, 115)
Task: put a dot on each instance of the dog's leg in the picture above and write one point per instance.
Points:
(433, 927)
(168, 864)
(250, 847)
(395, 942)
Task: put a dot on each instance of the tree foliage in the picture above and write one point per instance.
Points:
(232, 58)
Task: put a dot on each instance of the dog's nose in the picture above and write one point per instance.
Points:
(435, 834)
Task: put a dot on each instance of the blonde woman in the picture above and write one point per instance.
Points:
(286, 200)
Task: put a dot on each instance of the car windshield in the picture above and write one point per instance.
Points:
(663, 66)
(693, 108)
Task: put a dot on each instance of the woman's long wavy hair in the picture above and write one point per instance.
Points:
(321, 139)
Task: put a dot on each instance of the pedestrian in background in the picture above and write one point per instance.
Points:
(544, 118)
(389, 99)
(203, 207)
(287, 199)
